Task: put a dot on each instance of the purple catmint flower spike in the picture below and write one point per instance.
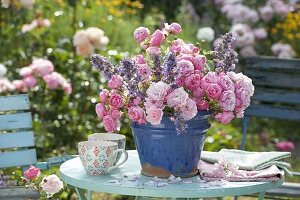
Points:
(224, 56)
(103, 65)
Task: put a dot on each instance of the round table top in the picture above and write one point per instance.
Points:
(127, 180)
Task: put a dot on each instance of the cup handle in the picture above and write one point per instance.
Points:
(121, 162)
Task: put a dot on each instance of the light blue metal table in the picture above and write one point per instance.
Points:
(127, 180)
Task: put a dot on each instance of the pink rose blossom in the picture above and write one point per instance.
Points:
(25, 71)
(199, 62)
(227, 100)
(115, 82)
(32, 172)
(154, 115)
(6, 85)
(202, 104)
(30, 81)
(193, 81)
(157, 38)
(52, 80)
(193, 48)
(189, 110)
(240, 114)
(224, 117)
(139, 59)
(116, 100)
(20, 85)
(103, 95)
(175, 28)
(153, 51)
(144, 71)
(285, 146)
(225, 82)
(153, 102)
(185, 67)
(67, 88)
(214, 91)
(208, 79)
(137, 101)
(110, 124)
(177, 46)
(180, 81)
(136, 114)
(158, 91)
(51, 184)
(100, 110)
(177, 98)
(42, 66)
(141, 33)
(115, 114)
(198, 92)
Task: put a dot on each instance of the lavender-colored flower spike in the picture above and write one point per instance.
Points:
(103, 65)
(156, 70)
(169, 69)
(224, 56)
(180, 123)
(128, 70)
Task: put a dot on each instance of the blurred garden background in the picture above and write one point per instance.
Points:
(61, 34)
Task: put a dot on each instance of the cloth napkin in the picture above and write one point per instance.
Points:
(227, 171)
(247, 160)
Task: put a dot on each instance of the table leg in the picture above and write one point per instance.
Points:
(261, 195)
(80, 192)
(89, 194)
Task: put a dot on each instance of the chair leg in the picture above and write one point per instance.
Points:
(261, 195)
(245, 126)
(80, 192)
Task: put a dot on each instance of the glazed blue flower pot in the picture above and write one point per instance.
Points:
(163, 152)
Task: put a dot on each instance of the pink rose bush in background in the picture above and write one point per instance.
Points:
(48, 186)
(172, 78)
(39, 69)
(85, 41)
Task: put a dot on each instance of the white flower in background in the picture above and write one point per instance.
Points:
(260, 33)
(283, 50)
(206, 33)
(51, 184)
(244, 35)
(3, 70)
(85, 41)
(266, 13)
(5, 3)
(27, 3)
(239, 13)
(35, 24)
(248, 51)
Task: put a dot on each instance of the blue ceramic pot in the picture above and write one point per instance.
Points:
(163, 152)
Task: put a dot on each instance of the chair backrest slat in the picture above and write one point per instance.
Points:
(276, 95)
(19, 139)
(15, 121)
(14, 102)
(17, 158)
(270, 63)
(274, 112)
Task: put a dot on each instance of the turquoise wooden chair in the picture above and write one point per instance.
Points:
(17, 144)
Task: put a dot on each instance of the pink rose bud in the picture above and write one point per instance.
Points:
(175, 28)
(25, 71)
(137, 101)
(115, 82)
(144, 45)
(100, 110)
(103, 95)
(139, 59)
(141, 33)
(285, 146)
(32, 172)
(199, 62)
(157, 38)
(153, 51)
(30, 81)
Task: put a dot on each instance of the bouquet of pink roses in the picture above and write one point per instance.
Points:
(174, 79)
